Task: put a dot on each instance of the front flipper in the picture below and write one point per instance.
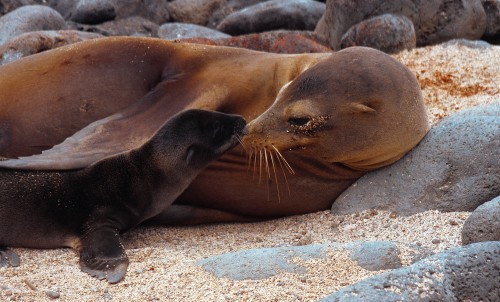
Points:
(8, 257)
(102, 255)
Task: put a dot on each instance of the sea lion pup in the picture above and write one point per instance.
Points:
(341, 114)
(87, 209)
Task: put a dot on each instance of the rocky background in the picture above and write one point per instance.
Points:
(424, 229)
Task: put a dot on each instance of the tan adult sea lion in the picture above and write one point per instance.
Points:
(87, 209)
(332, 116)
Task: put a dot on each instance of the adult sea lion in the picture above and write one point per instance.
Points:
(332, 116)
(87, 209)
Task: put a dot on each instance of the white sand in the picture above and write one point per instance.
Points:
(162, 259)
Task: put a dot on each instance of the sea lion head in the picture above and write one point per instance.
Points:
(193, 138)
(359, 107)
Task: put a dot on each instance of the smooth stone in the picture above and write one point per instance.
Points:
(273, 15)
(193, 11)
(93, 11)
(492, 10)
(172, 31)
(454, 168)
(483, 224)
(388, 33)
(228, 8)
(261, 263)
(29, 18)
(435, 21)
(377, 255)
(469, 273)
(132, 26)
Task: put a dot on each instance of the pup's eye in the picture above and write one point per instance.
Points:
(298, 121)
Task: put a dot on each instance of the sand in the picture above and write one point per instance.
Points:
(163, 260)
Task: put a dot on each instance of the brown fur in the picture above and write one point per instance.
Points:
(371, 102)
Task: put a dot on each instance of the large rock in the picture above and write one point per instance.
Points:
(228, 8)
(172, 31)
(193, 11)
(280, 41)
(10, 5)
(454, 168)
(98, 11)
(263, 263)
(434, 21)
(38, 41)
(29, 18)
(388, 33)
(132, 26)
(483, 224)
(470, 273)
(492, 9)
(272, 15)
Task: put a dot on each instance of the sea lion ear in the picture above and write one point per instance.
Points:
(361, 108)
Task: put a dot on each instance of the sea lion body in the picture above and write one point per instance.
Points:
(118, 91)
(87, 209)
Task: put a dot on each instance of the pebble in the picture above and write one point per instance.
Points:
(53, 294)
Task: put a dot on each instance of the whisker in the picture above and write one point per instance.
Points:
(268, 174)
(254, 162)
(284, 174)
(289, 168)
(275, 176)
(260, 165)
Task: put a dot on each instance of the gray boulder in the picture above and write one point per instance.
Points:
(193, 11)
(483, 224)
(388, 33)
(263, 263)
(376, 255)
(469, 273)
(435, 21)
(227, 8)
(10, 5)
(132, 26)
(99, 11)
(273, 15)
(172, 31)
(492, 9)
(454, 168)
(29, 18)
(38, 41)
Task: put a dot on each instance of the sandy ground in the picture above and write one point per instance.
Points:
(163, 259)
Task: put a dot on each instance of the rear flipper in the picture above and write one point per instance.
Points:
(8, 257)
(102, 255)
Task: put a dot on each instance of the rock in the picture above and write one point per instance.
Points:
(52, 294)
(155, 11)
(263, 263)
(377, 255)
(38, 41)
(172, 31)
(10, 5)
(228, 8)
(388, 33)
(470, 273)
(434, 21)
(260, 263)
(93, 11)
(492, 10)
(273, 41)
(193, 11)
(133, 26)
(483, 224)
(272, 15)
(477, 44)
(454, 168)
(96, 12)
(29, 18)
